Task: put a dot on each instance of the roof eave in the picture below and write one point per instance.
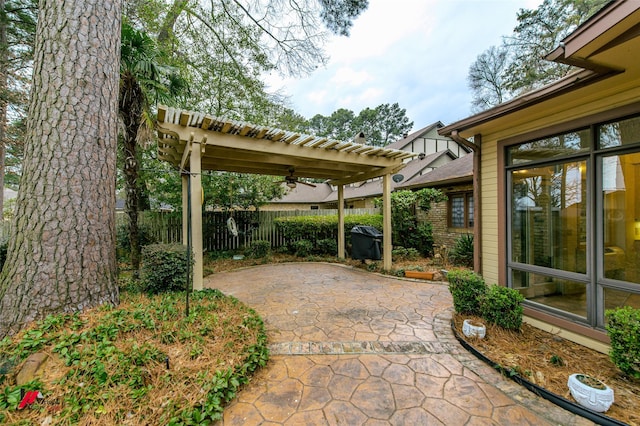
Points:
(567, 84)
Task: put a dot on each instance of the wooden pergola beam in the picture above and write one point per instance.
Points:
(195, 142)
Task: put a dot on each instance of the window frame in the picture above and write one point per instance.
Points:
(594, 278)
(467, 204)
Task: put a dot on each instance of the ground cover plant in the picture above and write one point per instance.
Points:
(143, 362)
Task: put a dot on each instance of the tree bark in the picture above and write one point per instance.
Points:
(131, 107)
(61, 256)
(3, 102)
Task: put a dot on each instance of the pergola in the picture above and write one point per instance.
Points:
(193, 142)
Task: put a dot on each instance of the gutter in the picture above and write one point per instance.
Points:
(477, 229)
(456, 137)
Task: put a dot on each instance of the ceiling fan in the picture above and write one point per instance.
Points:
(292, 180)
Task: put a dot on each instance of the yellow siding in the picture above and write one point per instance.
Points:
(489, 209)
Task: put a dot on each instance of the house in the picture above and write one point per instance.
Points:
(434, 151)
(557, 182)
(428, 141)
(454, 217)
(302, 197)
(362, 195)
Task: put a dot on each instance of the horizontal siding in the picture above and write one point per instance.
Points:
(489, 191)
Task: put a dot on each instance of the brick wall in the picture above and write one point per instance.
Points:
(438, 217)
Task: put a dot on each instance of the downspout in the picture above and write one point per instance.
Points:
(477, 229)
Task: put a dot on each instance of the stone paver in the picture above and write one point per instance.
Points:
(353, 348)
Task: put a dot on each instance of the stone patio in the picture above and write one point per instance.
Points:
(350, 347)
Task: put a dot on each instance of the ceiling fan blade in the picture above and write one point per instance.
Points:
(307, 183)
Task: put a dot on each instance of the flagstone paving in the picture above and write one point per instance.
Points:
(353, 348)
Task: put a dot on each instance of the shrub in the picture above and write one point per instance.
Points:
(259, 249)
(402, 253)
(623, 325)
(467, 289)
(302, 248)
(327, 246)
(503, 306)
(421, 239)
(164, 268)
(462, 253)
(123, 245)
(315, 228)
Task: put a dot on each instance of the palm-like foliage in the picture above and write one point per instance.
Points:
(143, 80)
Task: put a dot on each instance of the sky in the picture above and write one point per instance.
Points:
(413, 52)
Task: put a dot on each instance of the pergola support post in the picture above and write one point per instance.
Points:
(386, 226)
(341, 242)
(185, 208)
(195, 164)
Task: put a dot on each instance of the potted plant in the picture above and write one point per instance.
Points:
(590, 392)
(471, 328)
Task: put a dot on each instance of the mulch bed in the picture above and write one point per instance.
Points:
(548, 360)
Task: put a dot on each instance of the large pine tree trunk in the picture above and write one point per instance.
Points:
(61, 256)
(3, 103)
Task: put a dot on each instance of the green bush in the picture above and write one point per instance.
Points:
(259, 249)
(403, 253)
(623, 325)
(462, 252)
(123, 245)
(467, 289)
(314, 228)
(503, 306)
(164, 268)
(302, 248)
(421, 239)
(327, 246)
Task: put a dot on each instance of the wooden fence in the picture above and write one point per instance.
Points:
(252, 225)
(167, 227)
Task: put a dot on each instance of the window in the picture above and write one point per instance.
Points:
(573, 205)
(461, 210)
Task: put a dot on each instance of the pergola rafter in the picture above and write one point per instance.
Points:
(194, 141)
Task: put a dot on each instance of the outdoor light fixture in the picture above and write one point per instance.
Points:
(291, 184)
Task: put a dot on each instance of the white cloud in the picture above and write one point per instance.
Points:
(347, 76)
(413, 52)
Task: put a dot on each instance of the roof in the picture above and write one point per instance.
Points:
(411, 171)
(601, 46)
(401, 143)
(229, 145)
(459, 170)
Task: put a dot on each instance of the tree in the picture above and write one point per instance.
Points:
(141, 77)
(518, 65)
(486, 78)
(226, 46)
(222, 190)
(381, 125)
(229, 191)
(61, 256)
(17, 33)
(384, 125)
